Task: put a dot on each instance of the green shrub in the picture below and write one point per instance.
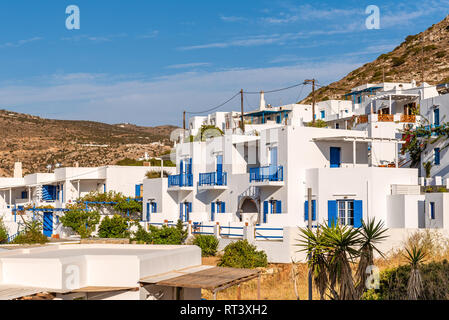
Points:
(435, 276)
(319, 123)
(115, 227)
(165, 235)
(398, 61)
(3, 232)
(242, 254)
(31, 235)
(81, 221)
(207, 243)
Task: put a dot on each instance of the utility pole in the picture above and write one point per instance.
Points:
(310, 219)
(184, 120)
(313, 82)
(242, 123)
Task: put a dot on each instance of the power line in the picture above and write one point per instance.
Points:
(244, 92)
(277, 90)
(214, 108)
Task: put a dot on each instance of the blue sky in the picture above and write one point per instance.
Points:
(144, 62)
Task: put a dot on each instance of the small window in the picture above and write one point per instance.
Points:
(337, 126)
(323, 114)
(346, 213)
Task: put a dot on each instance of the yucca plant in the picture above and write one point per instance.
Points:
(371, 234)
(342, 243)
(314, 245)
(415, 256)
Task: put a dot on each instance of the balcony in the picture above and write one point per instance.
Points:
(267, 176)
(180, 182)
(213, 181)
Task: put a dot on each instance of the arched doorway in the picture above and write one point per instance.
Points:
(249, 207)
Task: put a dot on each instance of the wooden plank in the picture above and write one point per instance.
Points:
(211, 279)
(104, 289)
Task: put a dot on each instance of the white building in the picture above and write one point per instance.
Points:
(98, 272)
(253, 184)
(62, 187)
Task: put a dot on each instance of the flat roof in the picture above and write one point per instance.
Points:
(210, 278)
(9, 292)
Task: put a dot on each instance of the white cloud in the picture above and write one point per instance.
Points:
(106, 38)
(188, 65)
(162, 100)
(233, 19)
(149, 35)
(20, 42)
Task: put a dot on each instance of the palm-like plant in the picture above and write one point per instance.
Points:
(415, 256)
(371, 234)
(342, 244)
(314, 245)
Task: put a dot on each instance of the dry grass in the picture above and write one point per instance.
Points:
(277, 284)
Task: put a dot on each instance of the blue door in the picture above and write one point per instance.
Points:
(181, 173)
(219, 170)
(335, 157)
(48, 224)
(436, 117)
(148, 212)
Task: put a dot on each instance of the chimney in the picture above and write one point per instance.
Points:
(262, 101)
(18, 170)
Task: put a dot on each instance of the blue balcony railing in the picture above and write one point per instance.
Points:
(267, 174)
(180, 180)
(213, 179)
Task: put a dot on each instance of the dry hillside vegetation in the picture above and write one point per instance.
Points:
(427, 51)
(38, 142)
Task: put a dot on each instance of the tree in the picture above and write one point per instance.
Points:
(164, 235)
(331, 251)
(415, 256)
(81, 221)
(3, 232)
(115, 227)
(371, 234)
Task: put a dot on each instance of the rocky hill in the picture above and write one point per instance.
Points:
(38, 142)
(422, 56)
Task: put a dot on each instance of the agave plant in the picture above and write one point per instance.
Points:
(415, 256)
(371, 234)
(314, 245)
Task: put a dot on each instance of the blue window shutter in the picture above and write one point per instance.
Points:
(265, 207)
(306, 210)
(279, 207)
(148, 211)
(437, 156)
(358, 213)
(190, 207)
(332, 213)
(212, 207)
(137, 190)
(223, 207)
(154, 207)
(180, 211)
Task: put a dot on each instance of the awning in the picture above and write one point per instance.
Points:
(358, 139)
(203, 277)
(396, 96)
